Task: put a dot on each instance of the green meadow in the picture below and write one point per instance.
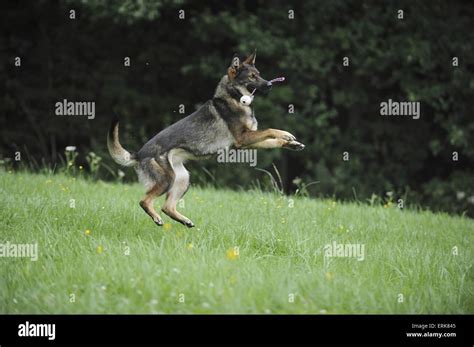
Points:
(250, 252)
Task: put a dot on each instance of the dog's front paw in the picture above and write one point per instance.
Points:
(285, 135)
(294, 145)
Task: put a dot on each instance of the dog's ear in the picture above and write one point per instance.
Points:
(234, 67)
(251, 58)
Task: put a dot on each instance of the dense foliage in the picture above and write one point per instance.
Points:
(179, 61)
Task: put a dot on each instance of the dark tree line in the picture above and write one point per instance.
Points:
(177, 62)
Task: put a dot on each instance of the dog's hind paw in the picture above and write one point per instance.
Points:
(158, 221)
(188, 223)
(294, 145)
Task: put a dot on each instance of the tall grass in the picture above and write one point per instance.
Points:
(251, 252)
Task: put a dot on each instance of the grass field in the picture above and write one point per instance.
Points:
(106, 256)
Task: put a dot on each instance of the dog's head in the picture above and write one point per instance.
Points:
(245, 74)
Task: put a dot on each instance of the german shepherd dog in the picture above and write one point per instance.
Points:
(221, 122)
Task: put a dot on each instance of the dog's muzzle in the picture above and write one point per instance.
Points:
(265, 88)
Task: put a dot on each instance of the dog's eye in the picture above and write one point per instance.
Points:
(252, 76)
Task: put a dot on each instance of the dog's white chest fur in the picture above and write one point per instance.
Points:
(251, 122)
(246, 115)
(248, 118)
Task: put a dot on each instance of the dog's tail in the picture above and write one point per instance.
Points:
(119, 154)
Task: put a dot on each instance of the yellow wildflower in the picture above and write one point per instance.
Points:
(233, 253)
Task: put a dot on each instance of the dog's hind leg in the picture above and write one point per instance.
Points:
(147, 203)
(177, 191)
(159, 177)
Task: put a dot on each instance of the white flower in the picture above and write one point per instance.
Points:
(297, 180)
(70, 148)
(460, 195)
(120, 173)
(471, 199)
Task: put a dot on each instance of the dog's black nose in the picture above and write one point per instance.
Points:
(265, 87)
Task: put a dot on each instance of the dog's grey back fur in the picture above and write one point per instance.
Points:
(202, 133)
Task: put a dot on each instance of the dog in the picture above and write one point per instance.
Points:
(220, 123)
